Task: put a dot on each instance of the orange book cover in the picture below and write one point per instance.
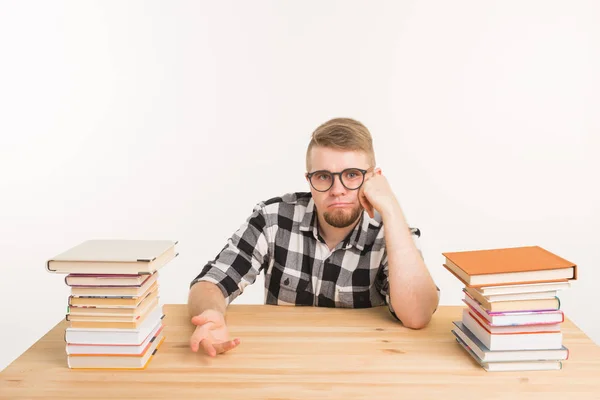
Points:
(510, 260)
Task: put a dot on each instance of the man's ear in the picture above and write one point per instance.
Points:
(377, 171)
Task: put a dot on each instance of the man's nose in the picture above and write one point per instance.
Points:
(337, 188)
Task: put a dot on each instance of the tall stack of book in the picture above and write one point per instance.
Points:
(513, 316)
(114, 314)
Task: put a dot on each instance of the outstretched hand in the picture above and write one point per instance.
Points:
(211, 334)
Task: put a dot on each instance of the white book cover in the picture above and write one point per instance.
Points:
(107, 349)
(114, 257)
(524, 288)
(486, 355)
(115, 336)
(513, 341)
(540, 365)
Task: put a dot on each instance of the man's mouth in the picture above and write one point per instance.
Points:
(339, 205)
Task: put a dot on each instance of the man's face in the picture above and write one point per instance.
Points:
(338, 206)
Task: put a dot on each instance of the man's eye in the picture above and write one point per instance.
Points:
(351, 175)
(323, 177)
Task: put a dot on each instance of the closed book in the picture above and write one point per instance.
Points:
(514, 296)
(505, 366)
(514, 265)
(105, 280)
(131, 312)
(517, 305)
(486, 355)
(114, 335)
(111, 323)
(116, 361)
(512, 341)
(552, 303)
(75, 320)
(533, 328)
(113, 301)
(114, 257)
(524, 288)
(114, 349)
(116, 291)
(516, 317)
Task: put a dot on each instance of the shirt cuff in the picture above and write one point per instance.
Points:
(222, 282)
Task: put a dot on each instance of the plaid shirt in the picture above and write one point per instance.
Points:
(282, 240)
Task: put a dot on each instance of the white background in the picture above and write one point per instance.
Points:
(170, 120)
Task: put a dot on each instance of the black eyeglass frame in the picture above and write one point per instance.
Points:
(333, 174)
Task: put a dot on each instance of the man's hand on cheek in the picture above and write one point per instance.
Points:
(376, 194)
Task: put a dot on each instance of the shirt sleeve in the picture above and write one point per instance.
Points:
(384, 284)
(241, 260)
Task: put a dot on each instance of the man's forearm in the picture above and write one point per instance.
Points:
(413, 293)
(205, 296)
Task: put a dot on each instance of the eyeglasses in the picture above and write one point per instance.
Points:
(351, 178)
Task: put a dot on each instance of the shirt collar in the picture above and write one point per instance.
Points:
(309, 221)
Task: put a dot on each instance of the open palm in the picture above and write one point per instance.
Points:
(211, 333)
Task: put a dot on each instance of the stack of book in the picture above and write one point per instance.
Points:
(114, 315)
(512, 317)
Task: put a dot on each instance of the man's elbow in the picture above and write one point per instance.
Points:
(416, 322)
(414, 319)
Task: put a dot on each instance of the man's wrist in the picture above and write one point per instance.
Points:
(211, 310)
(393, 212)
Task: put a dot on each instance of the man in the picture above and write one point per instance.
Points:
(324, 248)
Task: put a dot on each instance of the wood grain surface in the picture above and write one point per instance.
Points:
(302, 353)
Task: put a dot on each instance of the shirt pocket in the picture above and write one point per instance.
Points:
(352, 297)
(288, 287)
(359, 289)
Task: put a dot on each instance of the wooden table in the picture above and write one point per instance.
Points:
(305, 352)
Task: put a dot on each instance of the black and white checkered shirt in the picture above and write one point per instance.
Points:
(282, 240)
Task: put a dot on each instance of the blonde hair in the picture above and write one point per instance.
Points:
(342, 134)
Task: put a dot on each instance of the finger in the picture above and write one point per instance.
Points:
(226, 346)
(370, 210)
(366, 204)
(362, 197)
(195, 339)
(199, 320)
(194, 344)
(208, 347)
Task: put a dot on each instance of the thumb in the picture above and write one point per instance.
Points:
(209, 316)
(201, 319)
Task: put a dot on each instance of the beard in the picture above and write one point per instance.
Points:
(343, 218)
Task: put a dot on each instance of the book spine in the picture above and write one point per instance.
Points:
(48, 266)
